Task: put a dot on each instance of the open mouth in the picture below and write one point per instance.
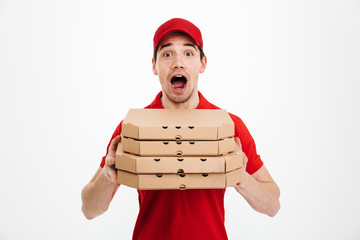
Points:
(178, 82)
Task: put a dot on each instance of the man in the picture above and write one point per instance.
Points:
(193, 213)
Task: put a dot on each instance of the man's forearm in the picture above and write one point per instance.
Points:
(263, 196)
(97, 195)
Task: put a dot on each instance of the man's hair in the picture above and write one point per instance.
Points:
(202, 54)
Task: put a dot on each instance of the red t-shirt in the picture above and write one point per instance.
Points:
(192, 213)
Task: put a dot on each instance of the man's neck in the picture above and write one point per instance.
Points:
(191, 103)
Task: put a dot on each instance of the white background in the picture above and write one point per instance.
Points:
(70, 70)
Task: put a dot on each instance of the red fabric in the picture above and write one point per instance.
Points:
(192, 213)
(178, 25)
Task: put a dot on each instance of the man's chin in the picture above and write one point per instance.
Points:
(178, 98)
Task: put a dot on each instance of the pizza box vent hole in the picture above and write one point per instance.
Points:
(181, 173)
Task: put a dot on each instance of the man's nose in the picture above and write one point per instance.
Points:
(178, 62)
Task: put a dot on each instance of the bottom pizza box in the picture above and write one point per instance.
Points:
(180, 180)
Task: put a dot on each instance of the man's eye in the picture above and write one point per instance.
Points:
(188, 54)
(167, 54)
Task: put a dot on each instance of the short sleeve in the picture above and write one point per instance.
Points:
(117, 132)
(248, 145)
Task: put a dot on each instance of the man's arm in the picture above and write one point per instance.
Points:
(98, 193)
(259, 190)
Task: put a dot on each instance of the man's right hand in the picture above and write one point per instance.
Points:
(109, 170)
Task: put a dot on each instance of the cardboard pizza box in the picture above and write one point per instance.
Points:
(177, 124)
(165, 164)
(178, 148)
(179, 181)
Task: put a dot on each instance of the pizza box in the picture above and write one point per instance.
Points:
(170, 164)
(178, 148)
(179, 181)
(177, 124)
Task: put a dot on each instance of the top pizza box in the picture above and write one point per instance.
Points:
(177, 124)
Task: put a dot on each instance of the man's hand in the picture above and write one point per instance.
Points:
(98, 193)
(259, 189)
(244, 158)
(109, 168)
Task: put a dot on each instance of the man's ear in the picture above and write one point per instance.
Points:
(203, 64)
(154, 67)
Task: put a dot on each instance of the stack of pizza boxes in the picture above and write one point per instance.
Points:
(178, 149)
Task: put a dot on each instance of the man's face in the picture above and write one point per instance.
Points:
(178, 66)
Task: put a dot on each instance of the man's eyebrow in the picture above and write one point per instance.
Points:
(169, 44)
(163, 46)
(190, 45)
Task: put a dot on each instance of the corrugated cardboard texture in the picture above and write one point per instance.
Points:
(179, 181)
(178, 148)
(165, 164)
(183, 124)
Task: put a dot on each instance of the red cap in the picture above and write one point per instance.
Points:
(178, 25)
